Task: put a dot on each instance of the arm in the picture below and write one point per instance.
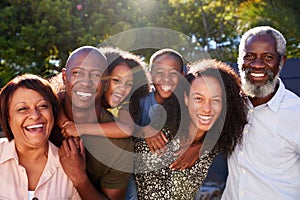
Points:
(123, 128)
(154, 138)
(188, 155)
(72, 158)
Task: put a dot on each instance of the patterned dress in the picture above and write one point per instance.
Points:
(156, 181)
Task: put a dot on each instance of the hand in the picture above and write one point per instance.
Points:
(69, 129)
(73, 160)
(155, 140)
(188, 155)
(157, 143)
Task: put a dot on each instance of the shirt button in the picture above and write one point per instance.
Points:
(251, 110)
(246, 131)
(244, 171)
(242, 153)
(242, 192)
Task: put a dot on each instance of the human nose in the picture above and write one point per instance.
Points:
(258, 63)
(86, 81)
(35, 113)
(166, 77)
(206, 106)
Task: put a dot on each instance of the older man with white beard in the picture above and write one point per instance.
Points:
(267, 163)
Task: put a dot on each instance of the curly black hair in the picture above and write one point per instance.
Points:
(229, 126)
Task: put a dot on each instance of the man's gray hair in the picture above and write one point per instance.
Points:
(262, 30)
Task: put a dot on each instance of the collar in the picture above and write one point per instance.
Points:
(274, 102)
(8, 151)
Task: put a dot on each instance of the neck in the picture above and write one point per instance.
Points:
(256, 101)
(158, 98)
(195, 134)
(31, 153)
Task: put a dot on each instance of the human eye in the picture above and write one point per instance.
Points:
(197, 99)
(76, 72)
(43, 105)
(129, 84)
(268, 57)
(159, 73)
(173, 74)
(95, 75)
(249, 56)
(216, 100)
(22, 109)
(115, 80)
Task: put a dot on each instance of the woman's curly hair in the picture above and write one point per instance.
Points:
(229, 126)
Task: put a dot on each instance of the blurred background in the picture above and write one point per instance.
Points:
(37, 37)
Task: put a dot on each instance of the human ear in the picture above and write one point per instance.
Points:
(64, 74)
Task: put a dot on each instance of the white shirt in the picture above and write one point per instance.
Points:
(267, 164)
(53, 183)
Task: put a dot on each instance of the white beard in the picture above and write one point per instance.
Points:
(258, 91)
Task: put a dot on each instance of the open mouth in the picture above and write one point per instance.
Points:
(116, 97)
(257, 75)
(165, 88)
(35, 128)
(204, 119)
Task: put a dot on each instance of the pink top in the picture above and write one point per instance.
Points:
(53, 183)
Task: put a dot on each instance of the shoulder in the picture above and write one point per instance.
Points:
(105, 116)
(149, 99)
(291, 100)
(3, 141)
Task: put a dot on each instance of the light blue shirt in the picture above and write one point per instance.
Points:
(267, 164)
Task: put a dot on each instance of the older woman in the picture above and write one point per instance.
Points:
(29, 163)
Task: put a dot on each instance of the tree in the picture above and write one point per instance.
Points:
(34, 32)
(282, 15)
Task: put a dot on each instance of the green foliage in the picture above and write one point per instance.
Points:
(36, 36)
(284, 16)
(31, 32)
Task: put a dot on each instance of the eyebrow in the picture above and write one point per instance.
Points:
(197, 93)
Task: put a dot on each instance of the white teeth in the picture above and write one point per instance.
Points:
(35, 126)
(84, 94)
(118, 95)
(166, 88)
(257, 75)
(204, 117)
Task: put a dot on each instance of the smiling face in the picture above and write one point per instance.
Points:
(260, 67)
(165, 76)
(120, 85)
(30, 118)
(82, 79)
(204, 104)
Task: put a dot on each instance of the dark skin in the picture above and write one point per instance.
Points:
(261, 55)
(73, 156)
(188, 155)
(83, 88)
